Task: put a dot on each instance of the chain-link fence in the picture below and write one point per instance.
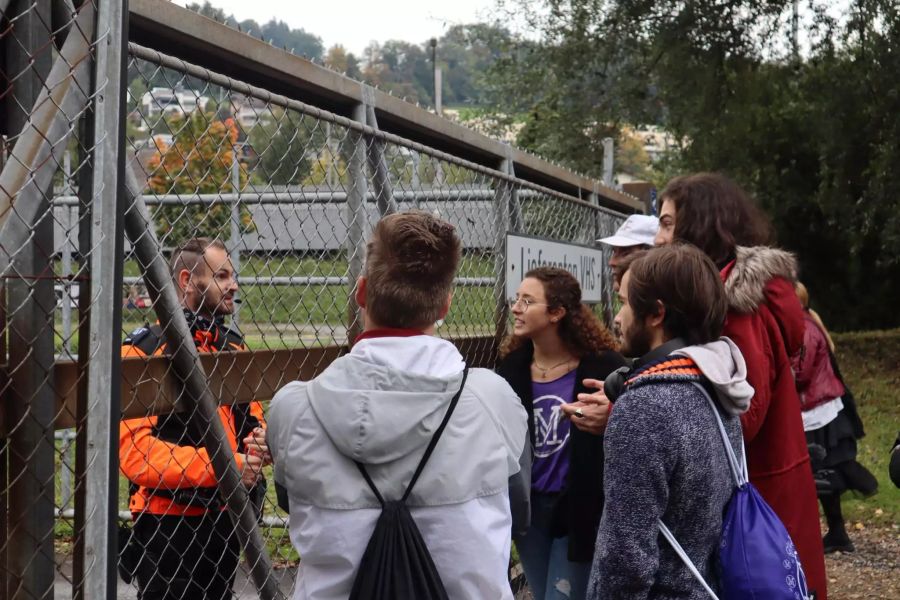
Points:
(53, 130)
(227, 269)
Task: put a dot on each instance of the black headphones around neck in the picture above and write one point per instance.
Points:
(614, 384)
(197, 323)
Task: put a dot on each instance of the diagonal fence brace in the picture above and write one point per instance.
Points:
(38, 150)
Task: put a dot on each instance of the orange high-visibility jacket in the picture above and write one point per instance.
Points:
(164, 454)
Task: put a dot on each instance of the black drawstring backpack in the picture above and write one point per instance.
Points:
(396, 564)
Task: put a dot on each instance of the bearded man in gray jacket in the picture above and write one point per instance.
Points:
(380, 405)
(664, 454)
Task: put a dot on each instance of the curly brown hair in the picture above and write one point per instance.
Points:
(579, 329)
(715, 214)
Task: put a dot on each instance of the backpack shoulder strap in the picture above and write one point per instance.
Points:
(371, 483)
(738, 468)
(437, 435)
(686, 559)
(428, 451)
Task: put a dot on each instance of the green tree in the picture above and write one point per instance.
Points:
(463, 54)
(328, 168)
(284, 145)
(276, 31)
(280, 35)
(338, 59)
(812, 136)
(208, 10)
(400, 68)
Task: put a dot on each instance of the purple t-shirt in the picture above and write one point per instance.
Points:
(551, 433)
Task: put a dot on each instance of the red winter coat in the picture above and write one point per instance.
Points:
(765, 320)
(816, 381)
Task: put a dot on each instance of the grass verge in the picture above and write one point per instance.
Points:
(870, 362)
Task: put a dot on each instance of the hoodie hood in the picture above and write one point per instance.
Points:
(385, 399)
(723, 365)
(752, 270)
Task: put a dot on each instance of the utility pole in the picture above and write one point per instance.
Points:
(608, 158)
(795, 29)
(437, 77)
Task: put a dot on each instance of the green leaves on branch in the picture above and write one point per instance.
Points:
(815, 135)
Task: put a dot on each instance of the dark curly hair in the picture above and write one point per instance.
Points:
(580, 329)
(715, 214)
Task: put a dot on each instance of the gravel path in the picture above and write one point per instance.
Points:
(870, 573)
(873, 571)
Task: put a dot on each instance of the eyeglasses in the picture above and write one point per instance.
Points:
(525, 302)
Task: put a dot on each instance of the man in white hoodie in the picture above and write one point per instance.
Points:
(380, 405)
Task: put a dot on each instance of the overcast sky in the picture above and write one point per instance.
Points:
(355, 23)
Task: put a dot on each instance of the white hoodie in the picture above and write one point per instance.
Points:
(380, 405)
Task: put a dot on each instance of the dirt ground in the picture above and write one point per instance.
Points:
(873, 571)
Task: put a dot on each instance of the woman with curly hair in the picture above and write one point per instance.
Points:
(558, 353)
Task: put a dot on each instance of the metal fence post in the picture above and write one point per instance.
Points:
(381, 177)
(415, 184)
(605, 272)
(516, 220)
(66, 465)
(597, 216)
(356, 220)
(4, 523)
(501, 222)
(98, 467)
(234, 241)
(66, 259)
(332, 156)
(30, 295)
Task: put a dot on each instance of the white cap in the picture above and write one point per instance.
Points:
(635, 231)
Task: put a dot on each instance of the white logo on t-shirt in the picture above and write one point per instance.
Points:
(547, 440)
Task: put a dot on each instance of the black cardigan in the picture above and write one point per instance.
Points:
(580, 503)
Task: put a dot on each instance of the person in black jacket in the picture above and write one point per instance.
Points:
(558, 354)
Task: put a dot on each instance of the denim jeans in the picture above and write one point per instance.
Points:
(550, 575)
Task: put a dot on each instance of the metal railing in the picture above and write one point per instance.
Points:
(289, 166)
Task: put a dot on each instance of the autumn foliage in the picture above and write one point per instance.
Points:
(200, 160)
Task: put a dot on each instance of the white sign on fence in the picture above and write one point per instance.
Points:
(524, 253)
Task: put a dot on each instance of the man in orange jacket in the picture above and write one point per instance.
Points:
(182, 535)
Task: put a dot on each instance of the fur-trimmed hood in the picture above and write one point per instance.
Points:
(753, 269)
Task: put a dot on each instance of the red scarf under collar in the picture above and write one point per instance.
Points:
(387, 332)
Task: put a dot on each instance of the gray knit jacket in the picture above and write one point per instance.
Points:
(665, 459)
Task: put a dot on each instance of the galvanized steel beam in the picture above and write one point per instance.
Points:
(27, 270)
(97, 507)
